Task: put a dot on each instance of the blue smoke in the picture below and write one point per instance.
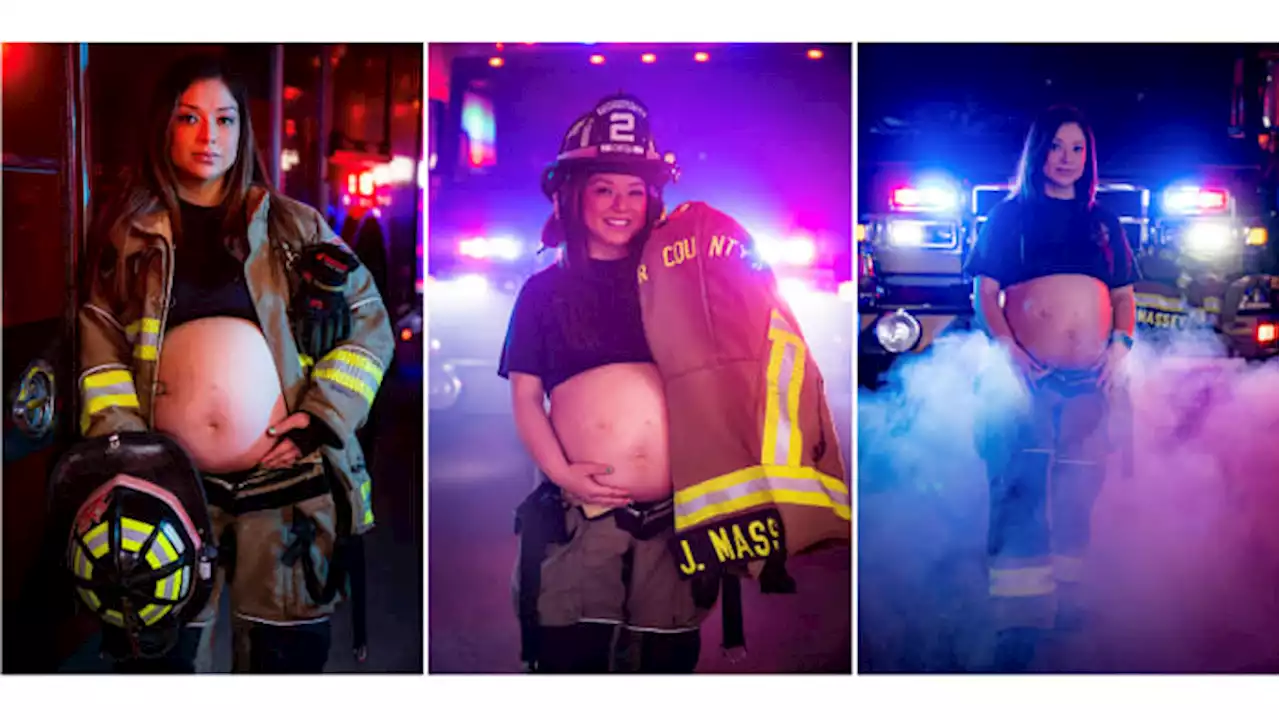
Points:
(1182, 574)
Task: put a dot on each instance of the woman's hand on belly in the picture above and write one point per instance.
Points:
(219, 392)
(285, 452)
(617, 414)
(588, 483)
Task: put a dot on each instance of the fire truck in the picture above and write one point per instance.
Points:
(1205, 242)
(324, 114)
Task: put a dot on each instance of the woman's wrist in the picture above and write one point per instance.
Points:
(1121, 337)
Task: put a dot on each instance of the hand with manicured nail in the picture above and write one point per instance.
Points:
(285, 452)
(589, 483)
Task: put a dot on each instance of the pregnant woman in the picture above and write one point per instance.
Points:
(187, 332)
(1053, 283)
(597, 585)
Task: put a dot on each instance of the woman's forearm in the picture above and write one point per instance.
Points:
(1124, 312)
(539, 438)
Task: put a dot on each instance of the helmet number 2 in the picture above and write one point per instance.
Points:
(622, 127)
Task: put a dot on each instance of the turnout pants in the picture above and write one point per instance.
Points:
(1042, 500)
(277, 534)
(603, 594)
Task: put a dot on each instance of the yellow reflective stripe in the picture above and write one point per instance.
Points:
(80, 564)
(783, 338)
(306, 361)
(771, 410)
(761, 498)
(780, 335)
(757, 486)
(357, 360)
(368, 517)
(102, 402)
(96, 540)
(166, 553)
(755, 472)
(171, 586)
(364, 490)
(1022, 582)
(133, 533)
(151, 614)
(347, 381)
(90, 598)
(144, 352)
(146, 325)
(114, 617)
(107, 378)
(1162, 302)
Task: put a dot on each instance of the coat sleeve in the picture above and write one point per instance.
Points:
(345, 381)
(108, 394)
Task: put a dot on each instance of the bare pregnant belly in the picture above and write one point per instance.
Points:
(219, 392)
(617, 415)
(1064, 321)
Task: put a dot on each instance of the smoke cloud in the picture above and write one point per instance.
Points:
(1183, 570)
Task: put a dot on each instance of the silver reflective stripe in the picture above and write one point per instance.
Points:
(767, 485)
(132, 539)
(1067, 568)
(96, 540)
(172, 534)
(353, 369)
(782, 444)
(167, 585)
(80, 564)
(1022, 582)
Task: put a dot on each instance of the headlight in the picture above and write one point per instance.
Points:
(921, 234)
(898, 332)
(1207, 239)
(906, 233)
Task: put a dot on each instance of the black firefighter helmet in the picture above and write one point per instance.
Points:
(140, 548)
(613, 138)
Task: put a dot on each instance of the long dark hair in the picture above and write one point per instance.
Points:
(568, 229)
(1030, 180)
(152, 183)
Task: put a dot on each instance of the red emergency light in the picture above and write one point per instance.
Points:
(496, 62)
(815, 54)
(648, 58)
(1266, 333)
(597, 59)
(700, 57)
(923, 199)
(1196, 200)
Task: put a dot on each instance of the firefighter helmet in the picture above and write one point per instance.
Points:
(613, 137)
(140, 548)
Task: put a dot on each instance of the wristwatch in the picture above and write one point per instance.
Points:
(1123, 337)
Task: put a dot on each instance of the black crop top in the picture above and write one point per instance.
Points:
(566, 322)
(1026, 239)
(208, 281)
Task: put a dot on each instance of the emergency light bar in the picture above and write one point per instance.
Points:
(1195, 200)
(799, 251)
(496, 248)
(923, 199)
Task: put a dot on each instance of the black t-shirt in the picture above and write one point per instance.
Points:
(208, 281)
(569, 321)
(1026, 239)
